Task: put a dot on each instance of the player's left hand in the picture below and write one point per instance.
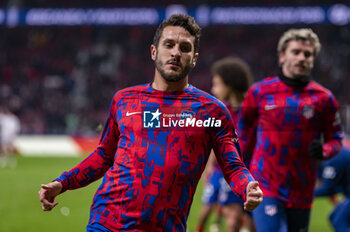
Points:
(316, 150)
(254, 196)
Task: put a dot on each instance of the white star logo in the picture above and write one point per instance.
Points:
(156, 115)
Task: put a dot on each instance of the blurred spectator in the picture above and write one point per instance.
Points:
(9, 129)
(136, 3)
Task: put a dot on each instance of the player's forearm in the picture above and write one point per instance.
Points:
(235, 172)
(332, 148)
(90, 169)
(332, 131)
(239, 181)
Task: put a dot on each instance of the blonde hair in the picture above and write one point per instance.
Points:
(305, 34)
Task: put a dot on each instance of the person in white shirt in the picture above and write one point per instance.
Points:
(9, 129)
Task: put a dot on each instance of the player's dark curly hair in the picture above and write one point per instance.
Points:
(235, 73)
(184, 21)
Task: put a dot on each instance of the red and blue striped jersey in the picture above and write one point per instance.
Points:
(152, 153)
(277, 125)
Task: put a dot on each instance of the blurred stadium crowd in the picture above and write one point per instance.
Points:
(60, 80)
(137, 3)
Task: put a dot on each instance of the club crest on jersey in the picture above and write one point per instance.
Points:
(308, 112)
(270, 210)
(329, 172)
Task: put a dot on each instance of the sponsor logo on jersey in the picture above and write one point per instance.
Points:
(131, 113)
(157, 119)
(151, 119)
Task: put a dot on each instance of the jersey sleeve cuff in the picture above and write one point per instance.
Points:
(64, 185)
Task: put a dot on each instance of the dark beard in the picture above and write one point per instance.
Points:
(172, 78)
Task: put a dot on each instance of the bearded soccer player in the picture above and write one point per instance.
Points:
(155, 144)
(297, 124)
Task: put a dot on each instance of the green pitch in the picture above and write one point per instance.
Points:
(20, 208)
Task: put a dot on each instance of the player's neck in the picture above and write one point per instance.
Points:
(233, 101)
(300, 81)
(162, 85)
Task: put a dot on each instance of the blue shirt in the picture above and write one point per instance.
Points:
(335, 175)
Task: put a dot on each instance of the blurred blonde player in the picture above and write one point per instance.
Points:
(295, 123)
(231, 79)
(9, 129)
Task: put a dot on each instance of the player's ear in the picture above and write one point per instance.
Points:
(281, 58)
(153, 52)
(194, 60)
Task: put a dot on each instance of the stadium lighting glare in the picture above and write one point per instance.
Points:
(2, 16)
(339, 14)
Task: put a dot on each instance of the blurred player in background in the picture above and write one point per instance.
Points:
(155, 145)
(335, 178)
(231, 80)
(297, 124)
(9, 129)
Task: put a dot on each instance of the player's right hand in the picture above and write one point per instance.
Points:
(47, 195)
(254, 196)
